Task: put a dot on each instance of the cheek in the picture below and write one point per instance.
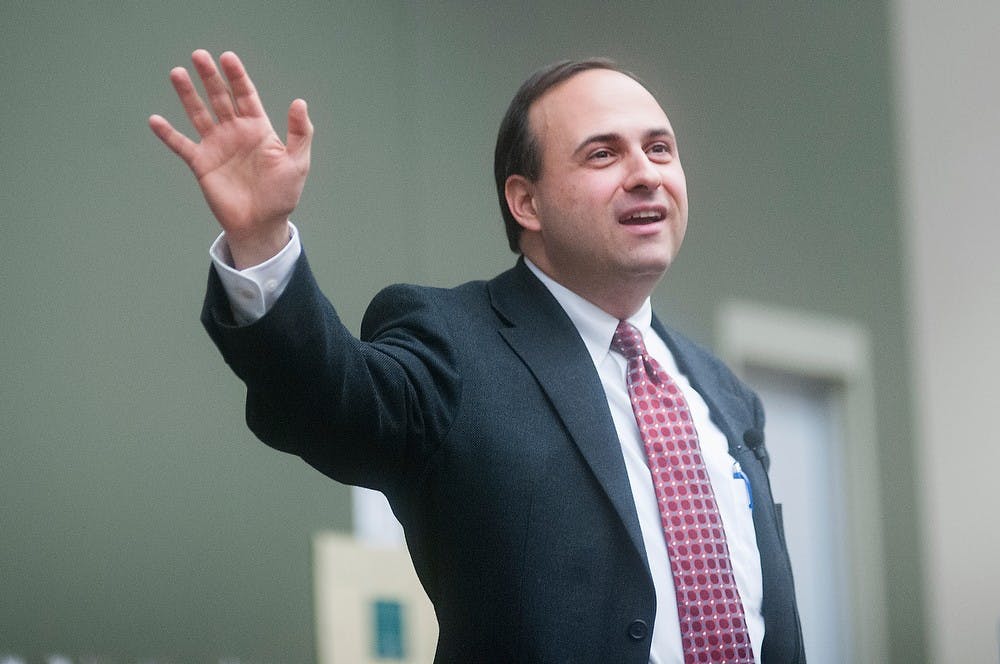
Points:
(681, 228)
(573, 195)
(678, 188)
(592, 188)
(577, 206)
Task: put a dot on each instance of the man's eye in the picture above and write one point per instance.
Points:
(661, 151)
(600, 154)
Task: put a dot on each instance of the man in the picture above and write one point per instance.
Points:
(571, 475)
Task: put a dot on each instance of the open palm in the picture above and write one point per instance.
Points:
(250, 178)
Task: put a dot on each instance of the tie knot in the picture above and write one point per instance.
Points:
(628, 341)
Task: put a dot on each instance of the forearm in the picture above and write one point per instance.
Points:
(349, 408)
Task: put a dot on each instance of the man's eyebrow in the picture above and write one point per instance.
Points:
(598, 138)
(611, 137)
(660, 132)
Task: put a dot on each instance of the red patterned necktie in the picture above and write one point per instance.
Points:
(713, 628)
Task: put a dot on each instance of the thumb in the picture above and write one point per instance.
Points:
(300, 129)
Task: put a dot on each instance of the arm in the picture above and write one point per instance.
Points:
(367, 413)
(362, 413)
(251, 179)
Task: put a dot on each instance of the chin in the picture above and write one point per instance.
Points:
(649, 263)
(647, 270)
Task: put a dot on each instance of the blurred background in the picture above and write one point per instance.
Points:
(841, 163)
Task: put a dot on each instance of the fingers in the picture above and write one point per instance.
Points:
(215, 87)
(195, 109)
(173, 139)
(300, 130)
(228, 98)
(244, 93)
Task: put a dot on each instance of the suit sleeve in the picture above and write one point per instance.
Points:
(369, 412)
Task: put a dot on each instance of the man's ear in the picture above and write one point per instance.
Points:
(520, 194)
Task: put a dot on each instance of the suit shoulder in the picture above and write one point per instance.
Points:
(702, 366)
(403, 295)
(409, 305)
(403, 292)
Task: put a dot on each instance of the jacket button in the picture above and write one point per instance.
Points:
(638, 630)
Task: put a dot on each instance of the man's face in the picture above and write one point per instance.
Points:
(611, 201)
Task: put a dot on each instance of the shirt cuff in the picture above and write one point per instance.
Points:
(253, 291)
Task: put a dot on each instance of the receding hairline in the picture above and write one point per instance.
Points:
(535, 132)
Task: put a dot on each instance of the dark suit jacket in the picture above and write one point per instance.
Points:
(479, 414)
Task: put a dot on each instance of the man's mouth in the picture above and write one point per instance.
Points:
(641, 217)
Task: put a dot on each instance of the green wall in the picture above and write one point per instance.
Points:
(139, 519)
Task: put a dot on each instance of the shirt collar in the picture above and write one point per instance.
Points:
(596, 326)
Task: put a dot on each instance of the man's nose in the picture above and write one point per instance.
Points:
(642, 173)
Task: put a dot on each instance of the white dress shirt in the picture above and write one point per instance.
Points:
(254, 290)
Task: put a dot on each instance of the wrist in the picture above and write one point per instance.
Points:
(248, 250)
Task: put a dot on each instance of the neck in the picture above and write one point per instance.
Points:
(617, 303)
(620, 298)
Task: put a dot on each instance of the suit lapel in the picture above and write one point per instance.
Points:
(545, 339)
(702, 377)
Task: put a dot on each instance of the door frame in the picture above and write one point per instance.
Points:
(836, 351)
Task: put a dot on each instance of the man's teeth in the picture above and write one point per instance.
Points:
(643, 216)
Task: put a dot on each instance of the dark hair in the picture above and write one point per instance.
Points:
(518, 151)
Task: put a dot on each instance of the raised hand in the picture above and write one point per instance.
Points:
(251, 180)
